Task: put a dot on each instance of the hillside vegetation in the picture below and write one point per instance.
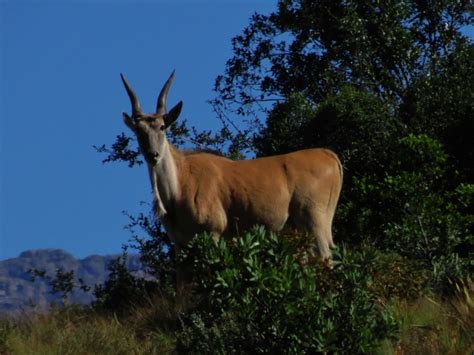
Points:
(255, 295)
(389, 86)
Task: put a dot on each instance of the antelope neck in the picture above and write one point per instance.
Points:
(164, 180)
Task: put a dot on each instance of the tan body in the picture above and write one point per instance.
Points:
(197, 192)
(225, 197)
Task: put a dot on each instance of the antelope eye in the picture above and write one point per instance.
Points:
(163, 127)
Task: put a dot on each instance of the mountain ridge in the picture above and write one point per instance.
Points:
(19, 293)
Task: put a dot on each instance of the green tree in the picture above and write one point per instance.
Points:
(315, 47)
(442, 106)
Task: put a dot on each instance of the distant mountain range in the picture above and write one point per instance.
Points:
(18, 292)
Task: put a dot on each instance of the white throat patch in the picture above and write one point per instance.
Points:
(164, 180)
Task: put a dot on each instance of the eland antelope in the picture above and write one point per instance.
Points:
(196, 192)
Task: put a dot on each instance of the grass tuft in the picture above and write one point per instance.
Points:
(431, 325)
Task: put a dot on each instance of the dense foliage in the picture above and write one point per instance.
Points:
(260, 299)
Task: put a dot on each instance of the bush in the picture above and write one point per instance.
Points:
(415, 210)
(257, 297)
(126, 289)
(122, 290)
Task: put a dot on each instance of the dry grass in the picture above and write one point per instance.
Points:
(427, 326)
(73, 331)
(463, 305)
(432, 326)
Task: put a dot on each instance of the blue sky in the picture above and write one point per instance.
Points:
(61, 93)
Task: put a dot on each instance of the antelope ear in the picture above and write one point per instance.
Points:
(172, 116)
(128, 121)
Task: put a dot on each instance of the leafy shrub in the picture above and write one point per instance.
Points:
(122, 290)
(415, 210)
(155, 248)
(394, 276)
(256, 297)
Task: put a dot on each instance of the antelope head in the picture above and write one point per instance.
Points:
(150, 129)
